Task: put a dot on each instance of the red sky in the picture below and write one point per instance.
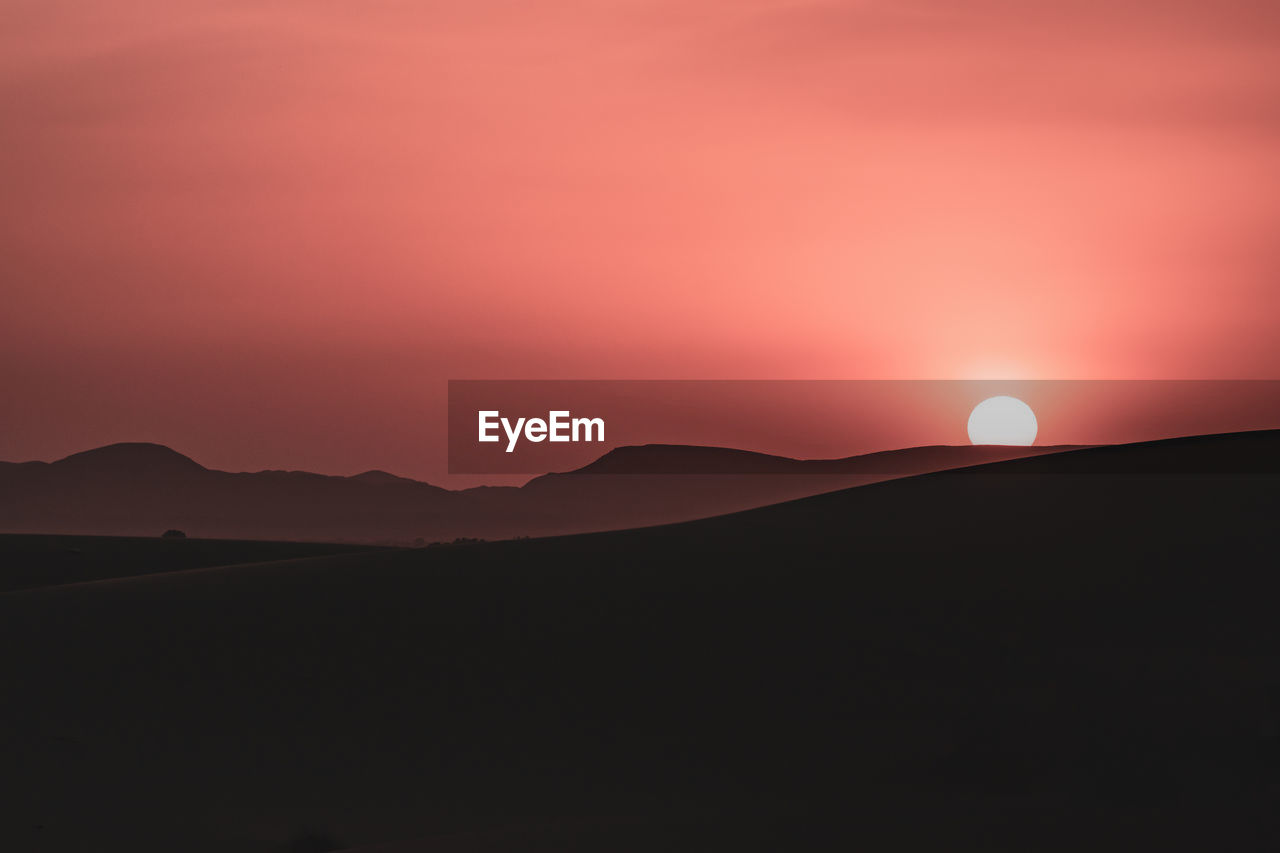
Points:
(267, 233)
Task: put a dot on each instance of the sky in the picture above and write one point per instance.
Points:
(267, 233)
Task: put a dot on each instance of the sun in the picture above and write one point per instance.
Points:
(1002, 420)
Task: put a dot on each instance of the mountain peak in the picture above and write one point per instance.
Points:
(133, 456)
(377, 477)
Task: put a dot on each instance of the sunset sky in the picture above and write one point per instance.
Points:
(267, 233)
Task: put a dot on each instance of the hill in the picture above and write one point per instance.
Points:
(143, 489)
(1049, 654)
(36, 560)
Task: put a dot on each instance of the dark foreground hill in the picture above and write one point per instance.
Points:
(35, 560)
(140, 489)
(1063, 653)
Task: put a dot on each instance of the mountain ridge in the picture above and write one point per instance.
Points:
(143, 489)
(656, 458)
(687, 458)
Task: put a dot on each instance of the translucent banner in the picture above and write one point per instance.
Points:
(689, 426)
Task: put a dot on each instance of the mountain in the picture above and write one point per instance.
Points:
(139, 489)
(139, 458)
(651, 459)
(1071, 651)
(379, 478)
(660, 484)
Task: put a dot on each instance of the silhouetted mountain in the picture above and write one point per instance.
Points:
(378, 478)
(650, 459)
(144, 489)
(661, 483)
(132, 458)
(1049, 654)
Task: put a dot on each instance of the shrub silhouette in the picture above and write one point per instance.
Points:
(173, 534)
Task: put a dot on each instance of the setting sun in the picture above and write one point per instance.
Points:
(1002, 420)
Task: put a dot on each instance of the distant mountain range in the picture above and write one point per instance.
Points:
(142, 489)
